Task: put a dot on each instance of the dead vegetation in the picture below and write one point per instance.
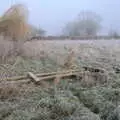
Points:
(75, 98)
(14, 22)
(94, 95)
(14, 26)
(70, 62)
(9, 91)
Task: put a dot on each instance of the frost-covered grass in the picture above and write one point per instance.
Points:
(70, 99)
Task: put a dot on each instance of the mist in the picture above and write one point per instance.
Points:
(54, 15)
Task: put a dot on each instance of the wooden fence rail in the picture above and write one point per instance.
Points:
(37, 78)
(17, 78)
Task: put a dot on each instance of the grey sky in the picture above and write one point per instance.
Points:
(53, 14)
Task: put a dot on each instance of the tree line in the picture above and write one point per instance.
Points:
(87, 23)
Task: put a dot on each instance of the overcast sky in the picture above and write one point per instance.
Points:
(52, 15)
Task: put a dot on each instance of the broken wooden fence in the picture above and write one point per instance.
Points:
(43, 76)
(37, 78)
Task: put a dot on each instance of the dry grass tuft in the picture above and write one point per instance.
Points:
(8, 91)
(70, 62)
(5, 48)
(57, 80)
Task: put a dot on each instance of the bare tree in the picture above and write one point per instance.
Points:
(87, 23)
(14, 24)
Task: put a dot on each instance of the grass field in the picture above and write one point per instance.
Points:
(71, 99)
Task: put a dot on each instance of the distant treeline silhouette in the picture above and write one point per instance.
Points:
(73, 38)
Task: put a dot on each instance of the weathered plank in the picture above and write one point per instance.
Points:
(58, 75)
(33, 77)
(17, 78)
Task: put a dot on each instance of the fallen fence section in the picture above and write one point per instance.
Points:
(65, 75)
(37, 78)
(31, 75)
